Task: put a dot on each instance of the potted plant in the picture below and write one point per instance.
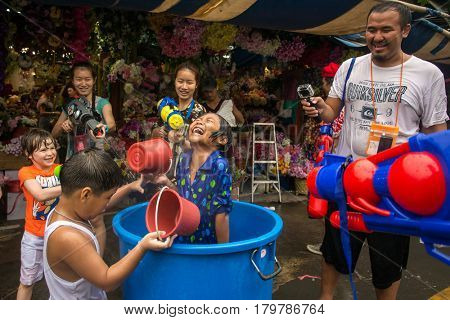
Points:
(299, 169)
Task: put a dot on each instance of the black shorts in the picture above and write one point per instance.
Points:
(388, 252)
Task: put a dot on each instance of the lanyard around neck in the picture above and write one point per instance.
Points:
(189, 109)
(399, 94)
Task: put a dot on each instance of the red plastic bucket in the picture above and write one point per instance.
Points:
(172, 214)
(150, 156)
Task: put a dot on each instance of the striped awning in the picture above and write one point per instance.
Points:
(320, 17)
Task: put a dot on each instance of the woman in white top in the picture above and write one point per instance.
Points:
(214, 104)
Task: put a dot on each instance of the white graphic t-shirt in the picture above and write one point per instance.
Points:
(423, 100)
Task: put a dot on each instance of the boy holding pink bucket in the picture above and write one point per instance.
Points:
(204, 178)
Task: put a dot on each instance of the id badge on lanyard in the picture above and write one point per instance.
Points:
(381, 137)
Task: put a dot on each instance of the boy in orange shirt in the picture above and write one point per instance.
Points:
(41, 189)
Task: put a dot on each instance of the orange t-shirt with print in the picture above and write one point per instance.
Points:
(36, 212)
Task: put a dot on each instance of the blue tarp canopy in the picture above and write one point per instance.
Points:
(320, 17)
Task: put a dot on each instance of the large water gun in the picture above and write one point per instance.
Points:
(80, 112)
(403, 190)
(317, 208)
(169, 113)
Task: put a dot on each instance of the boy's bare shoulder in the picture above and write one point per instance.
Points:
(69, 237)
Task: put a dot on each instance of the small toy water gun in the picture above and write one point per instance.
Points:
(169, 113)
(317, 208)
(324, 142)
(403, 190)
(80, 112)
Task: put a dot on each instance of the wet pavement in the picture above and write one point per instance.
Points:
(300, 279)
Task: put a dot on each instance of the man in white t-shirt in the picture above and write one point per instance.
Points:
(405, 92)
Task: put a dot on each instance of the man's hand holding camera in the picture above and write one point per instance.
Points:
(313, 107)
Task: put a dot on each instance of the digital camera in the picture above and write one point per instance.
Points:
(305, 91)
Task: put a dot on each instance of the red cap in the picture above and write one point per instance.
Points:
(330, 70)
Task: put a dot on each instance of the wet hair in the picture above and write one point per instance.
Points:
(34, 139)
(91, 168)
(65, 93)
(224, 130)
(208, 83)
(82, 65)
(403, 11)
(191, 67)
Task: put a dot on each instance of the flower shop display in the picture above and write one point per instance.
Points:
(219, 37)
(14, 147)
(140, 83)
(300, 169)
(122, 34)
(290, 50)
(139, 58)
(181, 40)
(292, 162)
(13, 125)
(253, 41)
(135, 130)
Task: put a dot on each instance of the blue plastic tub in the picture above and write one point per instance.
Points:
(241, 269)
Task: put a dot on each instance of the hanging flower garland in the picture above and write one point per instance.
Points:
(183, 40)
(130, 73)
(140, 80)
(81, 36)
(253, 41)
(219, 37)
(291, 50)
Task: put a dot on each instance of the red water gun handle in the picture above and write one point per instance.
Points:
(362, 205)
(355, 221)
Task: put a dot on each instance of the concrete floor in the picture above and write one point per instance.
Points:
(424, 278)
